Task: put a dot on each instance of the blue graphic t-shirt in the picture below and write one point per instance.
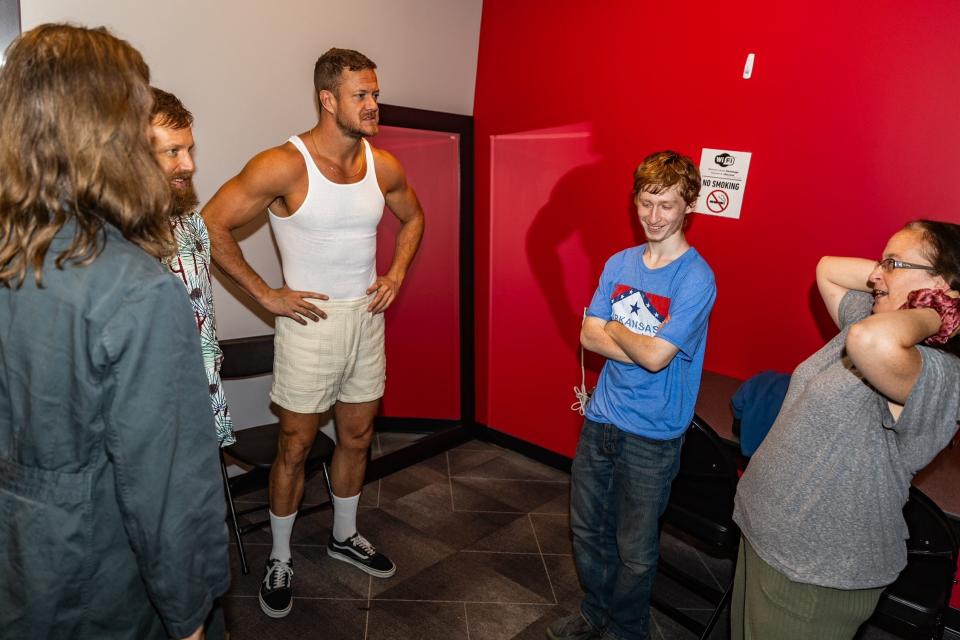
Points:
(653, 405)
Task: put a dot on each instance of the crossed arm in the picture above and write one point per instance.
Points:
(616, 342)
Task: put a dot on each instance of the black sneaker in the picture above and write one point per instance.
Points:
(572, 627)
(358, 551)
(276, 592)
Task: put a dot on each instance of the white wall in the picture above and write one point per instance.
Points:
(9, 23)
(245, 70)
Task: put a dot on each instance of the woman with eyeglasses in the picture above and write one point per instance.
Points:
(820, 505)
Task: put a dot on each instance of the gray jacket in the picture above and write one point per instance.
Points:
(111, 503)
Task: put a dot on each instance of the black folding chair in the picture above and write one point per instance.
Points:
(915, 604)
(701, 506)
(256, 447)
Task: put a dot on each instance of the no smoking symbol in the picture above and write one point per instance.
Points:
(718, 201)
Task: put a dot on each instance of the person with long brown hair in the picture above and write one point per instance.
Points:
(113, 511)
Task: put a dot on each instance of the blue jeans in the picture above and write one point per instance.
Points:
(620, 484)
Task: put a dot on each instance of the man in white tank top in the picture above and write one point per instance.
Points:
(325, 190)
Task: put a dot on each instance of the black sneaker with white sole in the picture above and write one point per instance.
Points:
(572, 627)
(276, 590)
(358, 551)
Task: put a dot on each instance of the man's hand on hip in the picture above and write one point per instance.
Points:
(293, 304)
(386, 288)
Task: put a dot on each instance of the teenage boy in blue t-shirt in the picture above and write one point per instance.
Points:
(648, 317)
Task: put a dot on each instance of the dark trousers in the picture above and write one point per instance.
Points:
(620, 484)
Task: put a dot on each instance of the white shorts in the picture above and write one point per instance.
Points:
(338, 358)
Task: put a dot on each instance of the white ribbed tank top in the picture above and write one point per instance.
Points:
(329, 244)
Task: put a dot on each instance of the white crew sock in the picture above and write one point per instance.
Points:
(345, 517)
(281, 527)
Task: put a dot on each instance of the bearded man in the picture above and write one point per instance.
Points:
(171, 132)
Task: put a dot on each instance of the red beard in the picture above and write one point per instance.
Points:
(184, 198)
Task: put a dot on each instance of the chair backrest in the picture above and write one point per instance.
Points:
(257, 446)
(702, 494)
(931, 533)
(704, 454)
(246, 357)
(914, 604)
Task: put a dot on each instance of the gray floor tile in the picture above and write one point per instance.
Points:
(417, 621)
(564, 580)
(477, 577)
(462, 530)
(464, 461)
(408, 547)
(503, 465)
(520, 496)
(509, 621)
(512, 533)
(245, 621)
(553, 533)
(414, 478)
(390, 441)
(664, 628)
(671, 628)
(558, 505)
(693, 556)
(669, 591)
(466, 529)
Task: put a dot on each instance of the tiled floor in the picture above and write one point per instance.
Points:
(480, 536)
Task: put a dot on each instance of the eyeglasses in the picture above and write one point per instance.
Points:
(889, 264)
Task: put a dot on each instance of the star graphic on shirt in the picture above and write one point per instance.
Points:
(635, 308)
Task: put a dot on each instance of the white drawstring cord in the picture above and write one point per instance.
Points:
(581, 392)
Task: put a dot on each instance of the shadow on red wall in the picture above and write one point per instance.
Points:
(573, 221)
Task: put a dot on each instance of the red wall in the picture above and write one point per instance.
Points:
(423, 324)
(852, 116)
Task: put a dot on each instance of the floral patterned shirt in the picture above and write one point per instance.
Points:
(191, 264)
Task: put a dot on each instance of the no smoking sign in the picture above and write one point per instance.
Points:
(723, 175)
(718, 200)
